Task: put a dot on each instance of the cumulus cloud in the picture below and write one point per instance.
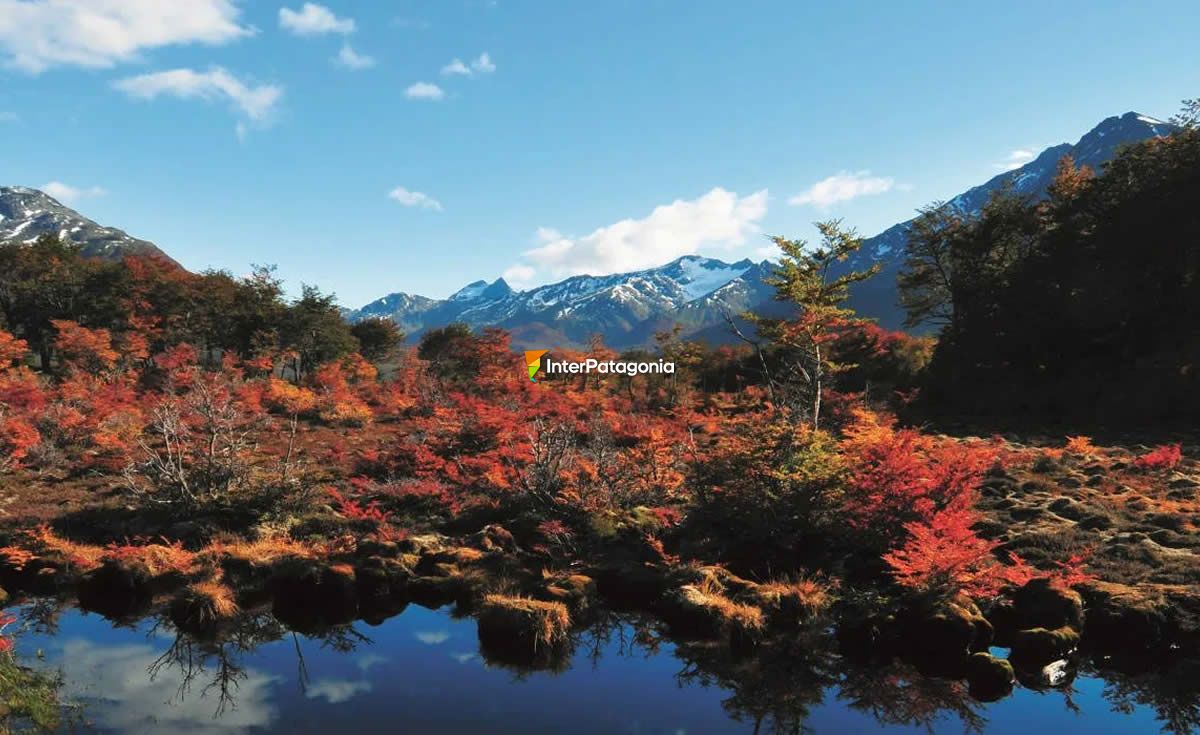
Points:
(69, 194)
(414, 199)
(1016, 159)
(256, 102)
(481, 64)
(38, 34)
(719, 218)
(519, 276)
(350, 59)
(842, 187)
(424, 91)
(313, 20)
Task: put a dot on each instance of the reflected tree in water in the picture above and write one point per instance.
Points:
(1174, 695)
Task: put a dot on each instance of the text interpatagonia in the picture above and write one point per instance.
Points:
(592, 365)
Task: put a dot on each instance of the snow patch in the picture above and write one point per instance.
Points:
(700, 278)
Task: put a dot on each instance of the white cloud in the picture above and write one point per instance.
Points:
(456, 67)
(842, 187)
(424, 91)
(69, 194)
(6, 117)
(351, 59)
(255, 102)
(519, 276)
(38, 34)
(314, 20)
(414, 199)
(481, 64)
(719, 218)
(1016, 159)
(336, 691)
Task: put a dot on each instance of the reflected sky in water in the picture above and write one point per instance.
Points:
(422, 672)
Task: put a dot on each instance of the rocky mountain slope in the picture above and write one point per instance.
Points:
(26, 214)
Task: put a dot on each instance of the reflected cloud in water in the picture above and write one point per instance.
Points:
(432, 637)
(336, 691)
(122, 695)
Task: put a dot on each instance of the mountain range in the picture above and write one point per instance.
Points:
(626, 309)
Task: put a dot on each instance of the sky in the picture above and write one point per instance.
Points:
(378, 146)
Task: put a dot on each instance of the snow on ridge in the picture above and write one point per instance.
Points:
(699, 280)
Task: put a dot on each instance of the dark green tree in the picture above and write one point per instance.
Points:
(377, 338)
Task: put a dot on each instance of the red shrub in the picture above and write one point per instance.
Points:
(1166, 457)
(944, 556)
(899, 476)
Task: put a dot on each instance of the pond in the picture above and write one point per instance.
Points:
(422, 671)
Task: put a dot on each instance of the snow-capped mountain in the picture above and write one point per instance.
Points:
(698, 293)
(626, 308)
(26, 214)
(878, 298)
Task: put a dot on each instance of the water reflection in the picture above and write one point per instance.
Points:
(133, 689)
(622, 674)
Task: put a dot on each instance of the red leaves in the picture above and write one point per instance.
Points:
(6, 642)
(90, 350)
(11, 349)
(899, 476)
(1166, 457)
(944, 555)
(17, 437)
(355, 511)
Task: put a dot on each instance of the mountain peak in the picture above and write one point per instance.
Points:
(482, 291)
(27, 213)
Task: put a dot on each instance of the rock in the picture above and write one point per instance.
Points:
(989, 678)
(494, 537)
(1126, 618)
(1054, 674)
(1040, 646)
(576, 591)
(372, 547)
(950, 629)
(1040, 604)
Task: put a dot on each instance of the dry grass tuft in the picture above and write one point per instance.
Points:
(544, 623)
(794, 601)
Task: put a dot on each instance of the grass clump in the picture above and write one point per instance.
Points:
(203, 606)
(794, 601)
(538, 623)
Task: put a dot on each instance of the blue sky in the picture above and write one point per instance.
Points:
(343, 143)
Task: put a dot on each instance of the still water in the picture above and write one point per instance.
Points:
(423, 672)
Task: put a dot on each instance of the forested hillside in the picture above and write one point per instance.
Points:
(1083, 306)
